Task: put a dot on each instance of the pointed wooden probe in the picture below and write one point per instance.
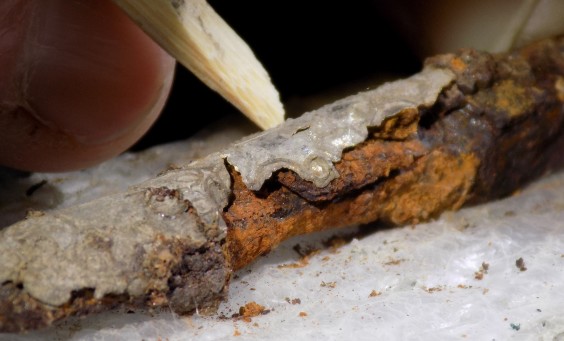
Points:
(193, 33)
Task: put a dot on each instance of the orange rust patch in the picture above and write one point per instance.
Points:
(437, 183)
(302, 314)
(360, 166)
(399, 126)
(512, 98)
(258, 222)
(457, 64)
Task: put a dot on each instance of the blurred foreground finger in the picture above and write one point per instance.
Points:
(79, 83)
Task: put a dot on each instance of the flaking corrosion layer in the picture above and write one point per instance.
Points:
(312, 143)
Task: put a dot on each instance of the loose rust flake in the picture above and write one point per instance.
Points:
(250, 310)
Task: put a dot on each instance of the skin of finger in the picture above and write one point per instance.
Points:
(80, 83)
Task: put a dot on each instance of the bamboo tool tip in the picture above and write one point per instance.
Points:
(258, 99)
(193, 33)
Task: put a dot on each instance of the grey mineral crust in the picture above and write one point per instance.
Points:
(107, 243)
(205, 183)
(309, 145)
(104, 244)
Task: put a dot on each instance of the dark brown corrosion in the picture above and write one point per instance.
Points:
(490, 133)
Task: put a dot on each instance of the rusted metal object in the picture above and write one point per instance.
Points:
(470, 127)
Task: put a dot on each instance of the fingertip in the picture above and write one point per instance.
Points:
(92, 72)
(83, 95)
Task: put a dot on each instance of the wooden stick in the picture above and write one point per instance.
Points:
(193, 33)
(470, 127)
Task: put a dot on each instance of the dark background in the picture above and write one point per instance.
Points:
(308, 48)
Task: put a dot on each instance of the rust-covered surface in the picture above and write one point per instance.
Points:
(489, 133)
(480, 128)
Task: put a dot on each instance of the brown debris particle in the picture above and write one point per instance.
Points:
(251, 309)
(374, 293)
(331, 285)
(520, 263)
(394, 261)
(236, 332)
(303, 314)
(293, 301)
(433, 289)
(485, 267)
(479, 275)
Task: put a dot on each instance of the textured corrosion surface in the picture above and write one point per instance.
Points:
(487, 134)
(311, 144)
(469, 127)
(158, 244)
(434, 183)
